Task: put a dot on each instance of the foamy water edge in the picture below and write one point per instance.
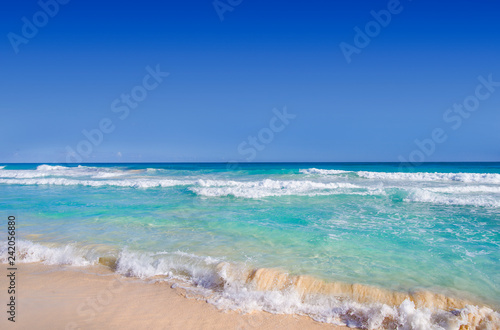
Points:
(231, 286)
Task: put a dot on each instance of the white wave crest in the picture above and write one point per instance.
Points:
(492, 178)
(426, 196)
(423, 176)
(54, 168)
(465, 189)
(196, 270)
(132, 183)
(321, 171)
(28, 252)
(63, 171)
(229, 287)
(267, 188)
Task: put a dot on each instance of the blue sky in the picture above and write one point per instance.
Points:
(226, 77)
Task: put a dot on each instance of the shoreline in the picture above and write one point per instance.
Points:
(69, 297)
(253, 297)
(88, 297)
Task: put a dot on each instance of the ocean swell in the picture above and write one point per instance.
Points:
(460, 189)
(493, 178)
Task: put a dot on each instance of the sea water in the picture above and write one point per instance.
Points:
(362, 244)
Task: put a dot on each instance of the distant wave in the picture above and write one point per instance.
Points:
(324, 172)
(249, 189)
(267, 188)
(56, 170)
(426, 196)
(492, 178)
(131, 183)
(422, 176)
(274, 188)
(104, 172)
(231, 286)
(467, 189)
(453, 189)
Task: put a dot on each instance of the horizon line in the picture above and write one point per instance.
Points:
(270, 162)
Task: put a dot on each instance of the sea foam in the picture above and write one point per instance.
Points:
(466, 189)
(131, 183)
(321, 171)
(28, 251)
(63, 171)
(428, 196)
(267, 188)
(231, 286)
(493, 178)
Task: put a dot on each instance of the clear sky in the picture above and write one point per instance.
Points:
(68, 69)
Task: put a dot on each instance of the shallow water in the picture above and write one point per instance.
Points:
(433, 228)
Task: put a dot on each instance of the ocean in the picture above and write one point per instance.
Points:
(360, 244)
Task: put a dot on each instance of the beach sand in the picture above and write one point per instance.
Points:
(57, 297)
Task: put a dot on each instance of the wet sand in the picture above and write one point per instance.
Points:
(57, 297)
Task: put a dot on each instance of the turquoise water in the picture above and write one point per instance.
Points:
(435, 227)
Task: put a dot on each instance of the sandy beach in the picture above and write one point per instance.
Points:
(356, 245)
(57, 297)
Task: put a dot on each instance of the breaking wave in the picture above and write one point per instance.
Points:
(427, 196)
(231, 286)
(321, 171)
(131, 183)
(57, 170)
(422, 176)
(493, 178)
(267, 188)
(467, 189)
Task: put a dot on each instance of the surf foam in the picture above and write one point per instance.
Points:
(323, 172)
(132, 183)
(268, 188)
(28, 252)
(239, 287)
(63, 171)
(493, 178)
(428, 196)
